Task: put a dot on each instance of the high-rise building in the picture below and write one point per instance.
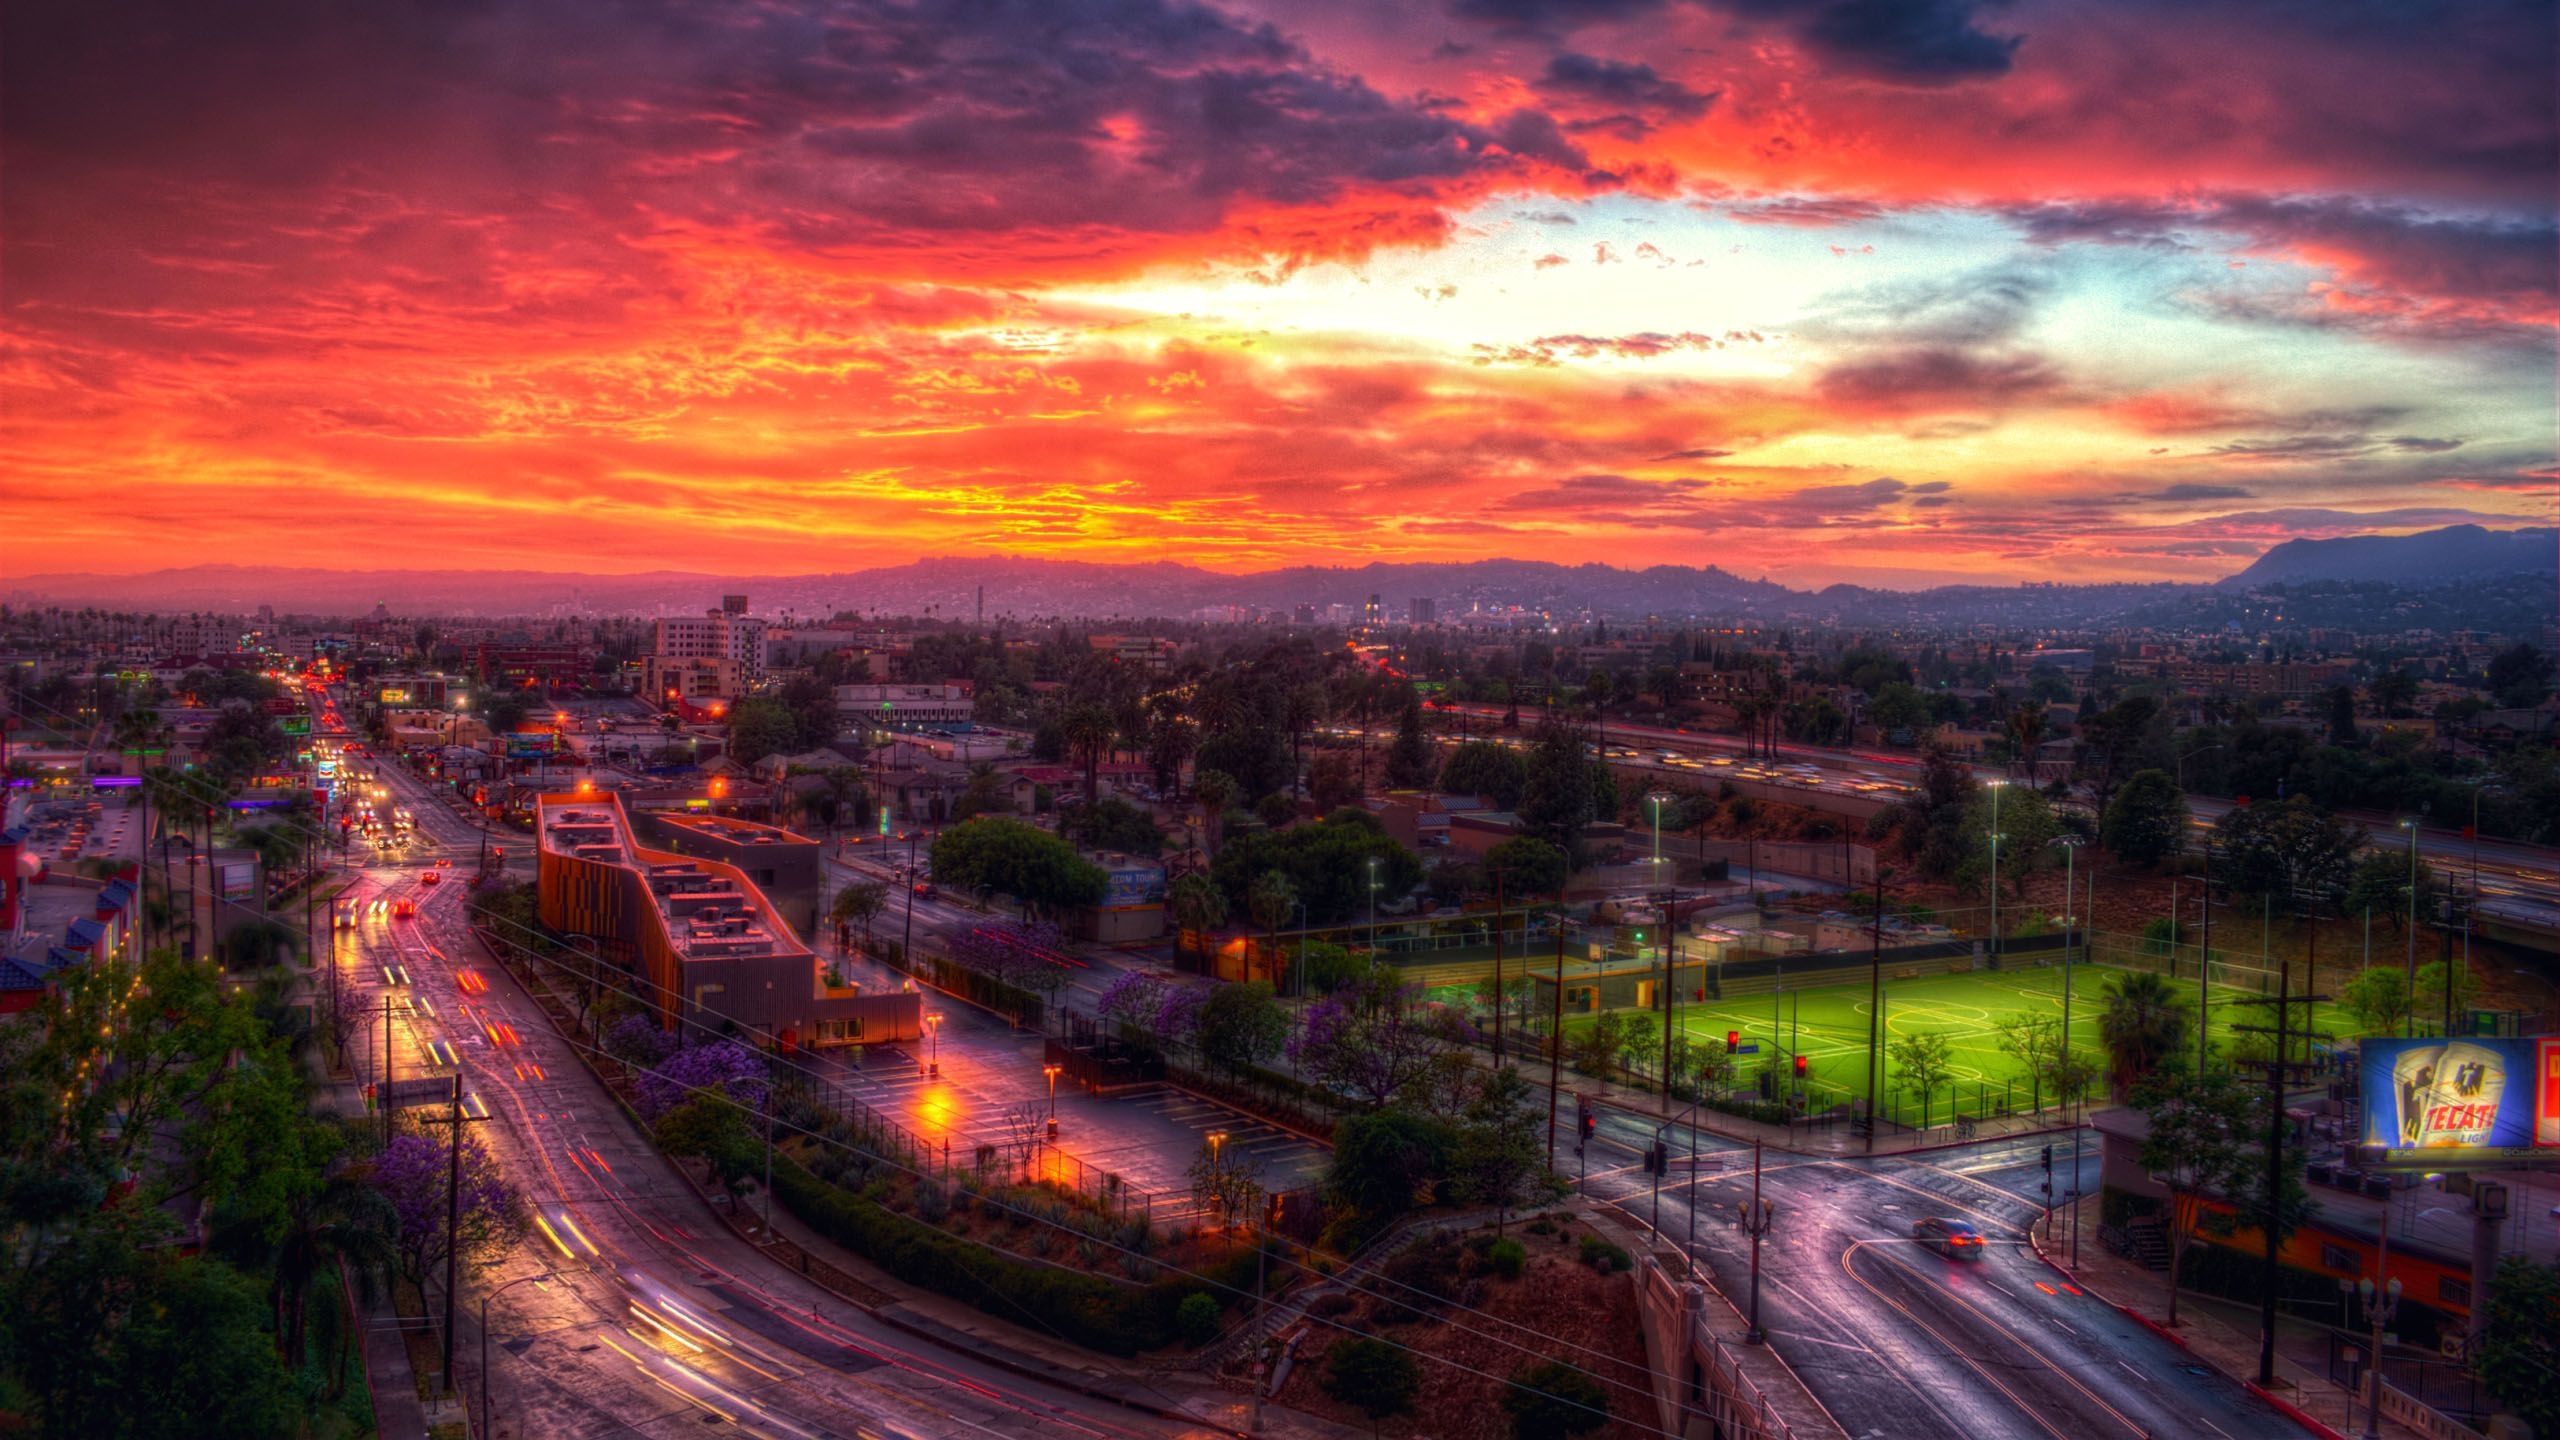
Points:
(733, 604)
(1422, 611)
(1373, 613)
(720, 634)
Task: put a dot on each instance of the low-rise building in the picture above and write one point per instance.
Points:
(783, 864)
(713, 950)
(905, 707)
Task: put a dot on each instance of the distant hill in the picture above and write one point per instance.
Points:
(2434, 557)
(1018, 588)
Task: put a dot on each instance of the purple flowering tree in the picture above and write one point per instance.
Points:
(1177, 1018)
(1377, 1042)
(413, 1173)
(723, 1065)
(639, 1041)
(1132, 1000)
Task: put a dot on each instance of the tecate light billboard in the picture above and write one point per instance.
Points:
(2484, 1094)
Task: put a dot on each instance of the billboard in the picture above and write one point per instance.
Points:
(532, 745)
(2468, 1095)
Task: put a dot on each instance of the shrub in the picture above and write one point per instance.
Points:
(1196, 1318)
(1602, 1256)
(1553, 1401)
(1333, 1304)
(1541, 1226)
(1371, 1376)
(1509, 1258)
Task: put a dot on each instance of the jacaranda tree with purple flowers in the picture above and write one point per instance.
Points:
(724, 1066)
(1376, 1040)
(413, 1173)
(639, 1041)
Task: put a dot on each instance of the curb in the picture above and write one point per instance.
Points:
(1646, 1111)
(2293, 1412)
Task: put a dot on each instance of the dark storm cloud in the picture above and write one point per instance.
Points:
(1550, 15)
(1619, 83)
(1917, 380)
(1912, 42)
(2191, 492)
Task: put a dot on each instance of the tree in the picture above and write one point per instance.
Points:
(2518, 1356)
(1374, 1039)
(760, 727)
(1270, 902)
(1932, 821)
(1553, 1401)
(2520, 676)
(1557, 799)
(1115, 824)
(1216, 790)
(1332, 781)
(2445, 988)
(1899, 711)
(1198, 907)
(2341, 701)
(2376, 999)
(1922, 1059)
(714, 1130)
(2027, 828)
(2035, 1042)
(1326, 862)
(2199, 1143)
(2379, 884)
(1371, 1376)
(721, 1067)
(1382, 1159)
(1528, 866)
(1482, 767)
(2129, 736)
(859, 904)
(1230, 1184)
(1088, 730)
(2026, 728)
(1498, 1158)
(2146, 823)
(412, 1173)
(2143, 1022)
(1007, 856)
(1409, 759)
(1241, 1025)
(2287, 852)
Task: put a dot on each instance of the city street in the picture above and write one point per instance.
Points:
(1907, 1341)
(667, 1320)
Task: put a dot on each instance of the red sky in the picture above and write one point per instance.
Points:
(1819, 289)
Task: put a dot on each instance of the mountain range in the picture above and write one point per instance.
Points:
(959, 587)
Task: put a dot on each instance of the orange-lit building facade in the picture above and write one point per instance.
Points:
(710, 949)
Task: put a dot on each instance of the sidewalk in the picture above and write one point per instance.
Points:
(2220, 1333)
(397, 1414)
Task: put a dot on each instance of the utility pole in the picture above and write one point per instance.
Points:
(452, 1229)
(2204, 961)
(1663, 901)
(1555, 1047)
(1875, 1010)
(1755, 1223)
(1498, 1005)
(2279, 1069)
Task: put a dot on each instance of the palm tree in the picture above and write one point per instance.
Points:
(1198, 905)
(1271, 899)
(2026, 733)
(2142, 1023)
(1215, 790)
(1089, 731)
(345, 1219)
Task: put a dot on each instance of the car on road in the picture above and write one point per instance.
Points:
(1955, 1239)
(431, 877)
(404, 910)
(924, 890)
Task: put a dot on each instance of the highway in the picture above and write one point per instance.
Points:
(662, 1321)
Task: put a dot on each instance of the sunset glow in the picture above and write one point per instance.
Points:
(1822, 291)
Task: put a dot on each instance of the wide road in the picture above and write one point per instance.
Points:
(659, 1320)
(1899, 1341)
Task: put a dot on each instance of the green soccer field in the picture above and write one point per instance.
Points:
(1828, 1026)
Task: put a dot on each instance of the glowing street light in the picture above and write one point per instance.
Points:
(1052, 1072)
(1654, 802)
(933, 1041)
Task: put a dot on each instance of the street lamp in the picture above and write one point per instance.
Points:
(1996, 787)
(2409, 1023)
(487, 1425)
(2381, 1303)
(933, 1043)
(1756, 1215)
(1052, 1072)
(1373, 907)
(1654, 802)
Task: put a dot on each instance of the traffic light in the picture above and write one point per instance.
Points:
(1801, 1067)
(1733, 1039)
(2048, 1173)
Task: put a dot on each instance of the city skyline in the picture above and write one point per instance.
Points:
(1940, 293)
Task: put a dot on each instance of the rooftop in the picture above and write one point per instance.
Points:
(708, 911)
